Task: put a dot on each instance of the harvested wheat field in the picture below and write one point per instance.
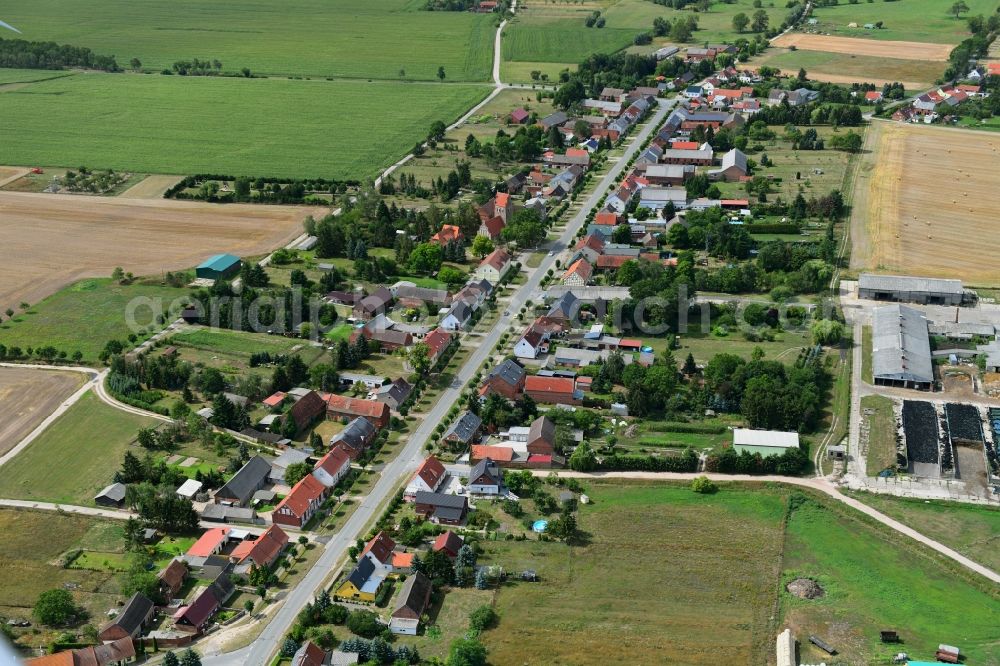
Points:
(150, 187)
(921, 205)
(51, 240)
(27, 396)
(865, 47)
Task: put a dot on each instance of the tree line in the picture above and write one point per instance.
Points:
(25, 54)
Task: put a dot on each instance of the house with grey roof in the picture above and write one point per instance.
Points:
(395, 393)
(357, 435)
(464, 430)
(733, 167)
(130, 620)
(486, 478)
(553, 120)
(252, 477)
(901, 350)
(440, 508)
(656, 198)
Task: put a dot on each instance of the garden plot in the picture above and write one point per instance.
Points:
(920, 427)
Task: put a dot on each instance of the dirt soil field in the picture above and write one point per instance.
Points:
(151, 187)
(848, 79)
(10, 174)
(52, 240)
(868, 47)
(27, 396)
(919, 204)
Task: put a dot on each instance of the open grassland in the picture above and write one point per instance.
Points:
(866, 47)
(237, 342)
(75, 457)
(913, 20)
(972, 530)
(556, 32)
(319, 38)
(30, 553)
(12, 76)
(875, 581)
(54, 239)
(852, 68)
(650, 595)
(84, 316)
(266, 127)
(924, 211)
(27, 396)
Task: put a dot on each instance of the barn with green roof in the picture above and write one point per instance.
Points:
(219, 267)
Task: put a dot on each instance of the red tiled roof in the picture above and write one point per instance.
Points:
(355, 406)
(735, 202)
(539, 458)
(517, 115)
(305, 491)
(630, 342)
(334, 460)
(274, 399)
(431, 471)
(873, 95)
(313, 655)
(381, 547)
(684, 145)
(449, 232)
(437, 340)
(581, 267)
(497, 453)
(577, 152)
(209, 541)
(611, 260)
(593, 241)
(494, 226)
(550, 384)
(501, 199)
(402, 560)
(497, 259)
(447, 540)
(264, 550)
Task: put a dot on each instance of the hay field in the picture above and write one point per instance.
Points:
(27, 396)
(914, 20)
(865, 47)
(51, 240)
(319, 38)
(922, 203)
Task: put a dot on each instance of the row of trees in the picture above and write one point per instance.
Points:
(24, 54)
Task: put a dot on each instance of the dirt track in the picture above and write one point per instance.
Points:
(51, 240)
(27, 396)
(922, 205)
(865, 47)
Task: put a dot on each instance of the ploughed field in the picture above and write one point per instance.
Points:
(27, 397)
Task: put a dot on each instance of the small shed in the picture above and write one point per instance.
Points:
(219, 267)
(189, 489)
(113, 496)
(836, 452)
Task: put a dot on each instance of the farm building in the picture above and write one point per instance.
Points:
(904, 289)
(219, 267)
(764, 442)
(901, 349)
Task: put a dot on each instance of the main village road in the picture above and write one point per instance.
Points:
(335, 552)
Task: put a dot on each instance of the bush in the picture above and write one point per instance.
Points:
(704, 485)
(483, 618)
(364, 623)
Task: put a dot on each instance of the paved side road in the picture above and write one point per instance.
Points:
(409, 458)
(819, 484)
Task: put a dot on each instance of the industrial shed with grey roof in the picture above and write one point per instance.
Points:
(906, 289)
(901, 350)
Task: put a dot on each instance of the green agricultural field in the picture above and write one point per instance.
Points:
(275, 127)
(8, 76)
(881, 434)
(33, 543)
(75, 457)
(86, 315)
(865, 68)
(318, 38)
(972, 530)
(236, 342)
(877, 580)
(905, 20)
(624, 596)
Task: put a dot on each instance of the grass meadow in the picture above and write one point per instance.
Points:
(972, 530)
(75, 457)
(276, 127)
(906, 20)
(821, 65)
(84, 316)
(873, 581)
(319, 38)
(33, 544)
(703, 583)
(555, 32)
(881, 434)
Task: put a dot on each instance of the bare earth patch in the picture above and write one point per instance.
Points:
(805, 588)
(51, 240)
(27, 396)
(841, 78)
(922, 206)
(869, 47)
